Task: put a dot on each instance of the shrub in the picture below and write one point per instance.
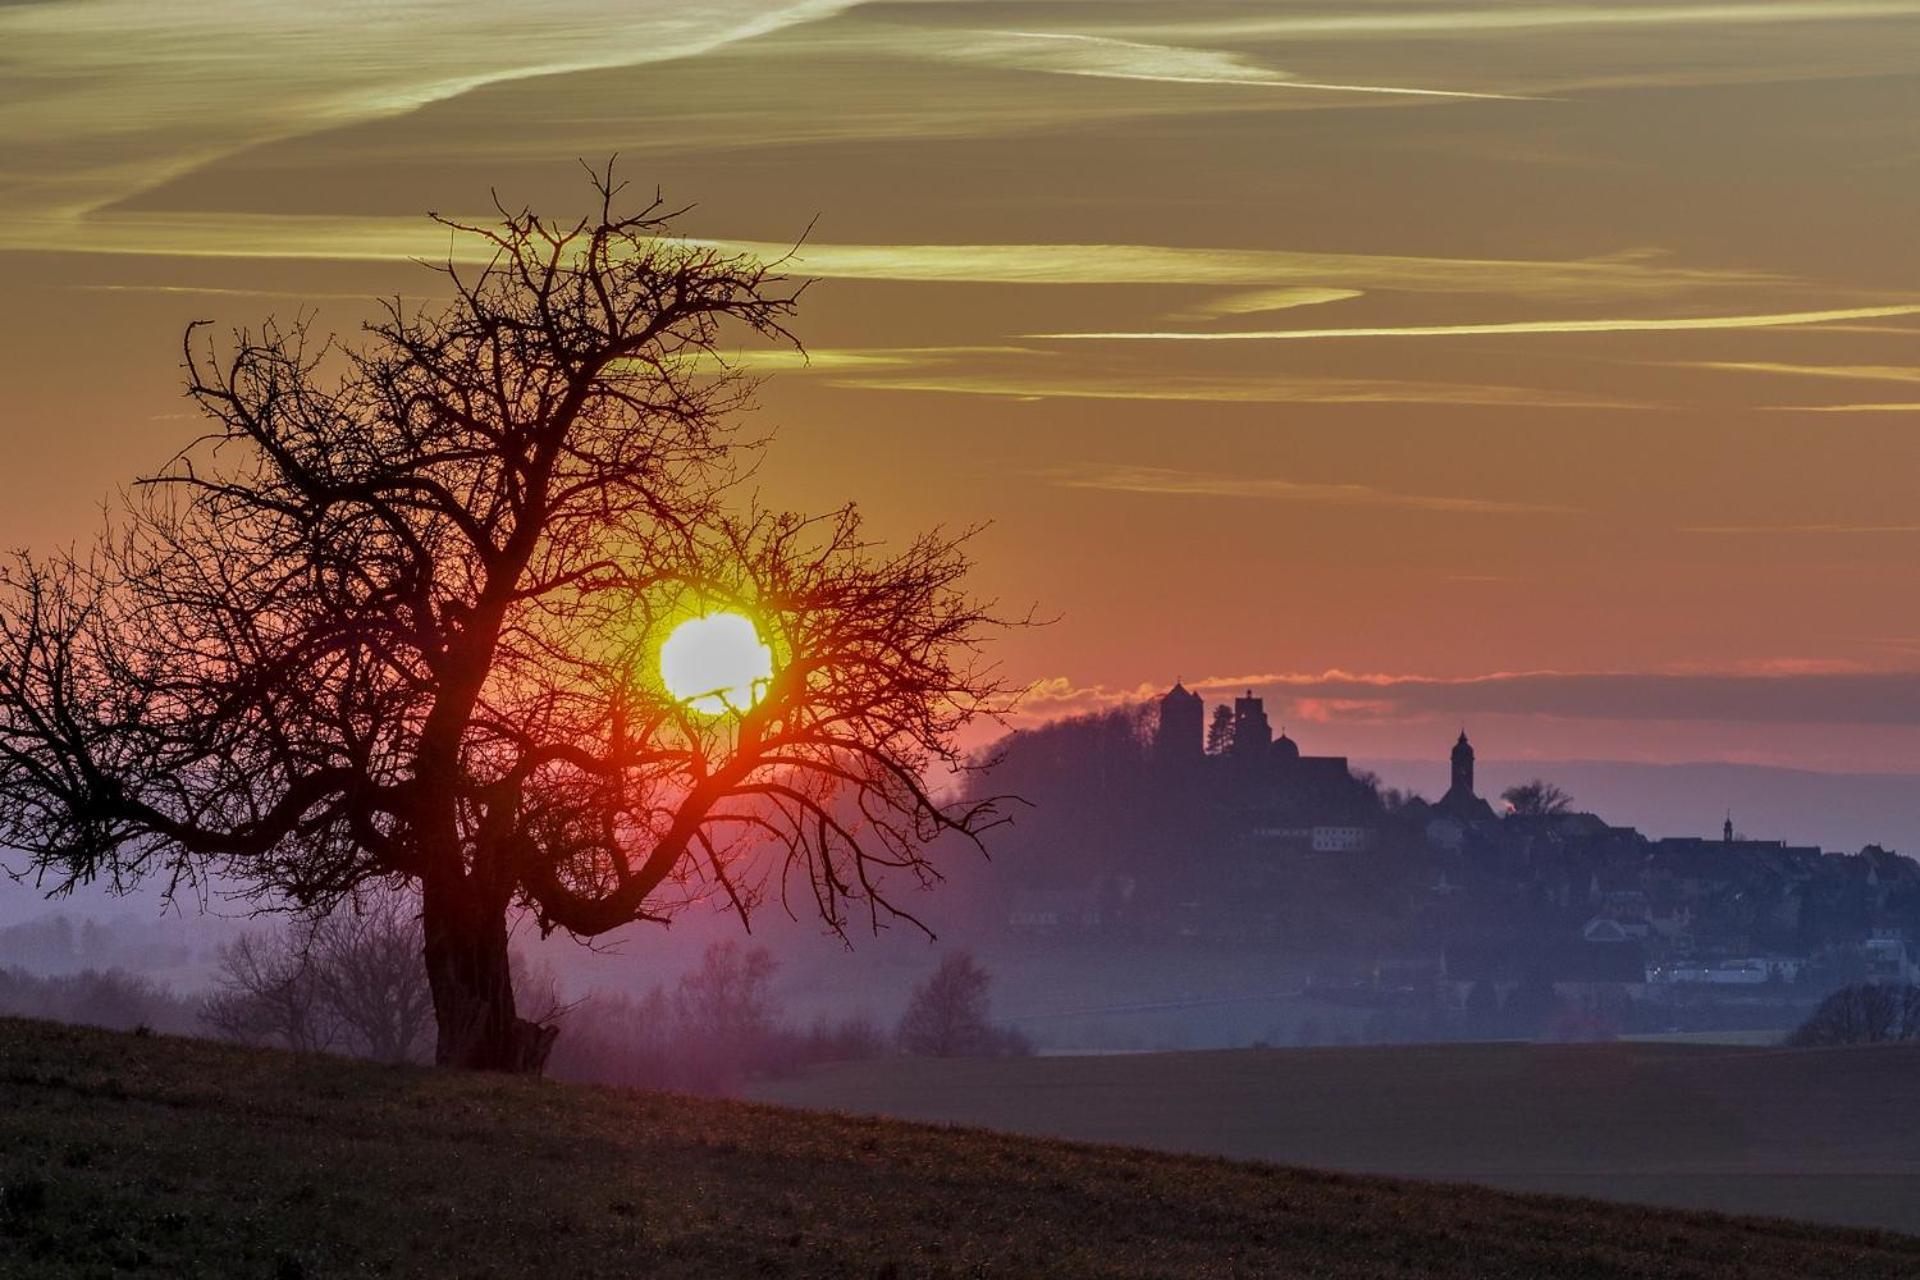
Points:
(947, 1016)
(1866, 1013)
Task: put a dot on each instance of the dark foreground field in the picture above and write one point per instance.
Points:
(1829, 1135)
(171, 1157)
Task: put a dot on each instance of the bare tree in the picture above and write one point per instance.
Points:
(947, 1016)
(268, 994)
(619, 1039)
(1386, 798)
(395, 618)
(1868, 1013)
(365, 961)
(350, 982)
(1537, 799)
(727, 1002)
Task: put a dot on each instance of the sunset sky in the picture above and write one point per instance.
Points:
(1551, 368)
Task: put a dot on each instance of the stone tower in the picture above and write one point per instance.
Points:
(1252, 731)
(1182, 732)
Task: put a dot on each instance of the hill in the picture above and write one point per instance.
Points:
(1831, 1134)
(148, 1154)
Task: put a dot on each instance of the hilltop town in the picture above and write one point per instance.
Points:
(1161, 824)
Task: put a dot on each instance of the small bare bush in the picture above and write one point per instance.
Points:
(948, 1015)
(351, 982)
(1865, 1014)
(719, 1025)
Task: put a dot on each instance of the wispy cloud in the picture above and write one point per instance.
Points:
(1105, 57)
(1848, 372)
(1168, 481)
(1780, 695)
(127, 94)
(1778, 691)
(1298, 275)
(1158, 385)
(1741, 530)
(840, 360)
(1896, 406)
(1264, 300)
(213, 291)
(1032, 373)
(1639, 325)
(1469, 21)
(1618, 275)
(1899, 374)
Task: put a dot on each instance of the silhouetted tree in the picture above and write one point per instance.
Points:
(1866, 1013)
(350, 982)
(48, 942)
(1097, 798)
(947, 1016)
(718, 1025)
(621, 1039)
(394, 617)
(1220, 731)
(1537, 799)
(1384, 798)
(727, 1003)
(267, 993)
(365, 959)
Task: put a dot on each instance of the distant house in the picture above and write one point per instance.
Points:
(1670, 921)
(1341, 839)
(1446, 834)
(1596, 967)
(1745, 971)
(1607, 929)
(1889, 957)
(1576, 970)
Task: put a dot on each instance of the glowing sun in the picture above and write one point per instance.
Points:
(716, 664)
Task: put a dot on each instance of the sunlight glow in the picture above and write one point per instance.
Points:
(716, 664)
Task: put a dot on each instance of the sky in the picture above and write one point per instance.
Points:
(1550, 369)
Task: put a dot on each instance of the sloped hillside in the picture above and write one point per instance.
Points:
(126, 1154)
(1826, 1135)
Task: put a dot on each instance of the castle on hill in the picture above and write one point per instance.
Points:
(1211, 827)
(1272, 772)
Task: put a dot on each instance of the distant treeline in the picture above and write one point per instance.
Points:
(720, 1024)
(353, 984)
(110, 998)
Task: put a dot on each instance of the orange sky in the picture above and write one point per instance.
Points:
(1547, 367)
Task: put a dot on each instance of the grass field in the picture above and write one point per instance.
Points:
(147, 1155)
(1830, 1135)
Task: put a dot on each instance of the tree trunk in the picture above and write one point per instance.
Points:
(470, 972)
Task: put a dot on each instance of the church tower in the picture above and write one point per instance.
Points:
(1460, 803)
(1181, 734)
(1462, 767)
